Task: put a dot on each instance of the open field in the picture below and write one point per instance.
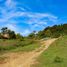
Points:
(55, 55)
(25, 59)
(38, 54)
(18, 45)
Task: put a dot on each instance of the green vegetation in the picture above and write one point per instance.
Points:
(7, 33)
(27, 48)
(18, 45)
(10, 41)
(55, 55)
(53, 32)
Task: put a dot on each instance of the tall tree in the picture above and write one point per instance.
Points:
(7, 33)
(4, 30)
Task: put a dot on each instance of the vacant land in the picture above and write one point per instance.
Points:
(55, 55)
(8, 48)
(25, 59)
(18, 45)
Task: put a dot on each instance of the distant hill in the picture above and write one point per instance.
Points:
(54, 31)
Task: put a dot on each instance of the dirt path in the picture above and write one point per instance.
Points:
(28, 58)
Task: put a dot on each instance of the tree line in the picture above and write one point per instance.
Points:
(53, 32)
(9, 34)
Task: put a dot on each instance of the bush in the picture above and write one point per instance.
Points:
(58, 59)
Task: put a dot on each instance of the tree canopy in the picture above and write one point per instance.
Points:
(54, 31)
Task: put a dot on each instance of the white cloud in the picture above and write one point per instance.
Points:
(23, 9)
(26, 32)
(34, 19)
(8, 3)
(12, 27)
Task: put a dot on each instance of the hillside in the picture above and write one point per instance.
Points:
(26, 59)
(55, 55)
(53, 31)
(27, 48)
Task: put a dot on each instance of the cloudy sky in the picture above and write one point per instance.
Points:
(25, 16)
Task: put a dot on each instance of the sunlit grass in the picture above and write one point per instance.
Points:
(55, 55)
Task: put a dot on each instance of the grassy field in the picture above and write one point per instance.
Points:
(55, 55)
(15, 45)
(18, 45)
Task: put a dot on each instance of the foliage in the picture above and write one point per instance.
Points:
(7, 33)
(40, 35)
(12, 34)
(58, 59)
(15, 44)
(54, 31)
(4, 30)
(32, 35)
(20, 37)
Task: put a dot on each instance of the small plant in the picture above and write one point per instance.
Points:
(58, 59)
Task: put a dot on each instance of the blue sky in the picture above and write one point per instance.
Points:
(25, 16)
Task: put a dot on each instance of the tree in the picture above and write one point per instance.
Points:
(0, 36)
(32, 35)
(40, 34)
(48, 33)
(19, 36)
(4, 30)
(54, 31)
(12, 34)
(7, 33)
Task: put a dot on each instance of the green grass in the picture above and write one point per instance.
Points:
(27, 48)
(18, 45)
(55, 55)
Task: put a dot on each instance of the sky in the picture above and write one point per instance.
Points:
(26, 16)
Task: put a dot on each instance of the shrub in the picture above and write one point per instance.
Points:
(58, 59)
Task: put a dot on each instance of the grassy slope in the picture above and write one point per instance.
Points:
(55, 56)
(27, 48)
(17, 45)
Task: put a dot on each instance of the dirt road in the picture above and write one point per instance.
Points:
(28, 58)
